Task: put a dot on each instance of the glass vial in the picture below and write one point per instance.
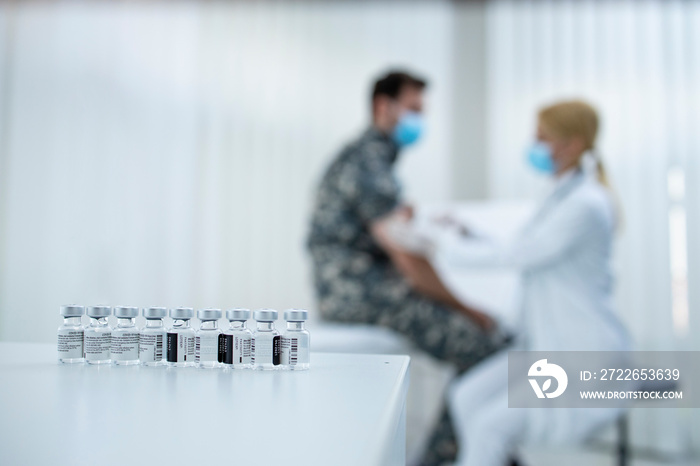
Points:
(98, 335)
(152, 337)
(70, 335)
(265, 347)
(125, 336)
(295, 341)
(180, 338)
(235, 343)
(206, 346)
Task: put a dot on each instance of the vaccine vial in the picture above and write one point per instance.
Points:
(265, 348)
(180, 338)
(295, 341)
(235, 343)
(70, 335)
(98, 335)
(125, 336)
(152, 337)
(206, 346)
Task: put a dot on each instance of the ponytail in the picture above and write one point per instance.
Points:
(601, 172)
(603, 179)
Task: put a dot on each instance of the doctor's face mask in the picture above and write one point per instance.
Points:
(539, 156)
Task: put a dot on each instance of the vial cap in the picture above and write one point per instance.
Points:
(296, 315)
(155, 312)
(99, 311)
(182, 313)
(72, 311)
(209, 314)
(238, 314)
(126, 312)
(265, 315)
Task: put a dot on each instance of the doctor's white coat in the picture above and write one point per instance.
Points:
(564, 257)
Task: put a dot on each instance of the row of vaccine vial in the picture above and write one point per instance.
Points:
(180, 345)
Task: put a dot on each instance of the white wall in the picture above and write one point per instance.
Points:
(163, 153)
(470, 159)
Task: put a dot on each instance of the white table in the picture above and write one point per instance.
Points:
(347, 410)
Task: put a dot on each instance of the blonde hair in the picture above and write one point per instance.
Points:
(576, 118)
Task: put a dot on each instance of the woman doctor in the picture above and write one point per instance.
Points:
(563, 255)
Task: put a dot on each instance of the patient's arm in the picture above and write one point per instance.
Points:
(419, 272)
(423, 277)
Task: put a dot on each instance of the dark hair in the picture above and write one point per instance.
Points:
(392, 83)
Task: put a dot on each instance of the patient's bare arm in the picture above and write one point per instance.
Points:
(423, 277)
(420, 273)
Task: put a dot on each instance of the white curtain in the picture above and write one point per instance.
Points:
(639, 63)
(161, 153)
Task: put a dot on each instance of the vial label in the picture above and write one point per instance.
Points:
(206, 348)
(70, 344)
(180, 348)
(294, 351)
(266, 351)
(225, 353)
(151, 347)
(97, 346)
(125, 346)
(235, 349)
(276, 350)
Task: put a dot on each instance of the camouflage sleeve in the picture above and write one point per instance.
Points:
(378, 191)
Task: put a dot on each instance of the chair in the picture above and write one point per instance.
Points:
(623, 430)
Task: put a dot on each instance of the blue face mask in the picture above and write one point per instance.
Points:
(539, 155)
(409, 129)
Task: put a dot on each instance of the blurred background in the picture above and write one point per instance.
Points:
(166, 153)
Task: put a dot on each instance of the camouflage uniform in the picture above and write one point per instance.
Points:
(356, 281)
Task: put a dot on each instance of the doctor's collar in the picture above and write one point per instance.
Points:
(570, 176)
(563, 178)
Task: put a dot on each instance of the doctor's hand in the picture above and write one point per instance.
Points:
(450, 222)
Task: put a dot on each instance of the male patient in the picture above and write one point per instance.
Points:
(360, 276)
